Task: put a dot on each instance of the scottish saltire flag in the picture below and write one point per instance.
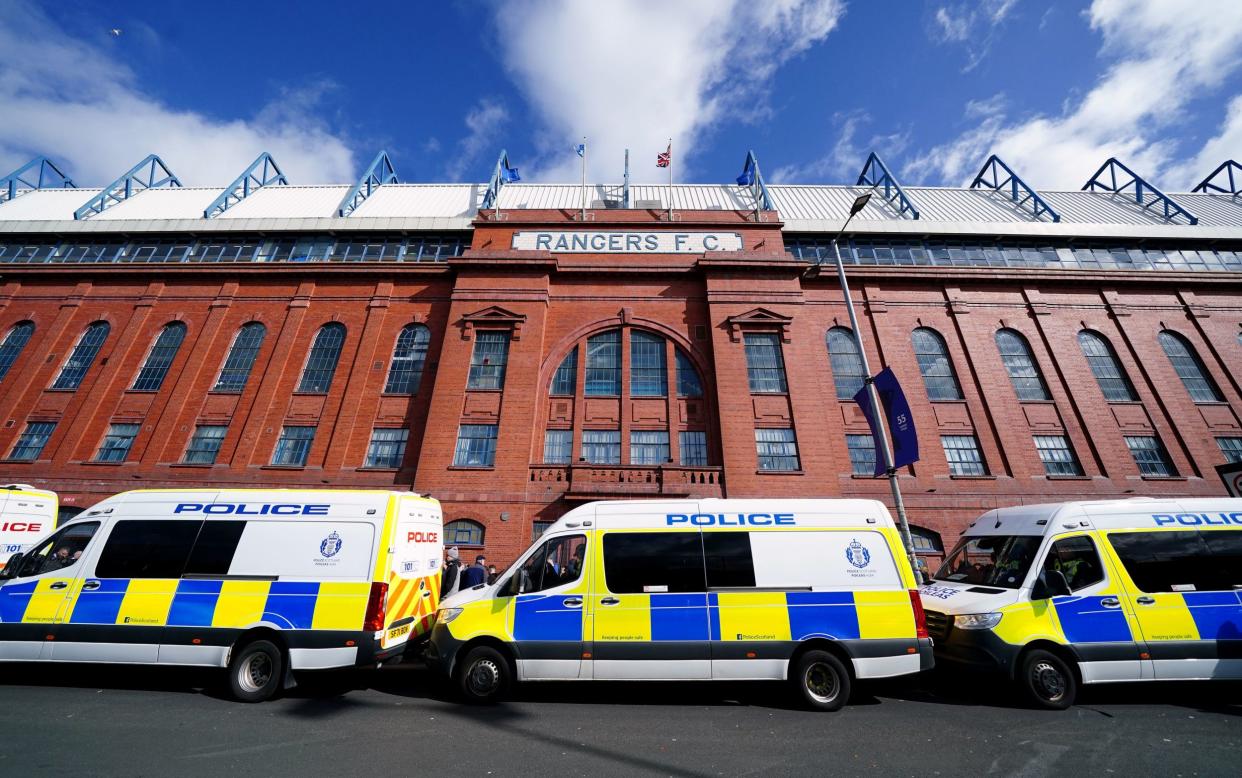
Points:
(665, 158)
(581, 149)
(511, 174)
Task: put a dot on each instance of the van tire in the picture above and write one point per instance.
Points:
(256, 671)
(1047, 680)
(483, 677)
(821, 680)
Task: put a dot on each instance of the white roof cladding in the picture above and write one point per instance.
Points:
(809, 208)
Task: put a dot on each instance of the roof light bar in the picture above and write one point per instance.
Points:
(1232, 172)
(380, 172)
(48, 176)
(990, 176)
(147, 174)
(262, 172)
(875, 174)
(1118, 185)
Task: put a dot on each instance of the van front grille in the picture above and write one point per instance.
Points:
(938, 624)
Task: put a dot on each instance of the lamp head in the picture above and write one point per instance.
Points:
(860, 202)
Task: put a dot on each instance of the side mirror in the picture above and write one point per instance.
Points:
(1049, 584)
(10, 567)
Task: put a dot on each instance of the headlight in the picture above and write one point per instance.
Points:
(977, 620)
(445, 615)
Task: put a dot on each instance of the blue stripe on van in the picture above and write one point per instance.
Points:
(100, 606)
(14, 597)
(822, 614)
(546, 617)
(291, 604)
(680, 617)
(1085, 620)
(1217, 615)
(194, 605)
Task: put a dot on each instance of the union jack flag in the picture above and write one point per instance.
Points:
(665, 158)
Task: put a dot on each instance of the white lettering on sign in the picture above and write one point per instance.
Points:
(585, 242)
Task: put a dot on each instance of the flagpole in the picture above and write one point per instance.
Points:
(670, 179)
(584, 193)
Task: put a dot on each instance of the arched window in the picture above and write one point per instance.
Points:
(565, 379)
(1106, 368)
(648, 371)
(324, 354)
(83, 356)
(151, 376)
(689, 384)
(1190, 368)
(242, 354)
(13, 344)
(603, 366)
(933, 357)
(408, 358)
(1024, 374)
(463, 532)
(847, 369)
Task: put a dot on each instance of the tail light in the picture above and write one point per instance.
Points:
(920, 618)
(377, 605)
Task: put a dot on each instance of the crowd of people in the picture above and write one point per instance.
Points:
(455, 577)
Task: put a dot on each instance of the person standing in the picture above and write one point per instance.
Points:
(492, 574)
(449, 575)
(475, 574)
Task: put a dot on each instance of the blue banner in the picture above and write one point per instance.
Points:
(897, 414)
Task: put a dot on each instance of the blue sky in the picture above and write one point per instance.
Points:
(1054, 87)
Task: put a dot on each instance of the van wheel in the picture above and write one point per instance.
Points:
(483, 677)
(1047, 680)
(255, 671)
(822, 681)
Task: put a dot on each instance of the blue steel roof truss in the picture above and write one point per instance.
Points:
(1230, 183)
(995, 174)
(1145, 194)
(38, 173)
(379, 173)
(876, 174)
(503, 174)
(150, 173)
(262, 172)
(752, 179)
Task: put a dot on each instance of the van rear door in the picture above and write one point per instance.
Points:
(414, 570)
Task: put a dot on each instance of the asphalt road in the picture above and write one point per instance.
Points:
(396, 722)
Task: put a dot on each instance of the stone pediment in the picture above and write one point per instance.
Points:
(493, 318)
(758, 319)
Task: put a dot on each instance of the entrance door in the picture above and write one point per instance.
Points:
(34, 601)
(548, 622)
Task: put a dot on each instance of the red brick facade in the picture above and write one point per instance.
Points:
(551, 303)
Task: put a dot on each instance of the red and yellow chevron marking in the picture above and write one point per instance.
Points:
(405, 599)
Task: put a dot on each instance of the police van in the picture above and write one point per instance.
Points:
(26, 514)
(816, 592)
(261, 582)
(1094, 592)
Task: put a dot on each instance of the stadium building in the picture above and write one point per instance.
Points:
(514, 349)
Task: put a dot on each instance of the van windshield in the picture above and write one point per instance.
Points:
(992, 560)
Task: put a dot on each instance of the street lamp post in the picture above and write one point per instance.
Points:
(885, 448)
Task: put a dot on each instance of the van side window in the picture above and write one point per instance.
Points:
(60, 551)
(215, 547)
(653, 562)
(140, 548)
(1165, 561)
(1226, 549)
(1077, 560)
(730, 564)
(556, 563)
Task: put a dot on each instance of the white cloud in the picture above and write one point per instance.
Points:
(79, 104)
(972, 26)
(484, 123)
(1165, 54)
(634, 73)
(845, 160)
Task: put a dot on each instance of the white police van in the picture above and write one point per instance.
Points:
(263, 582)
(26, 514)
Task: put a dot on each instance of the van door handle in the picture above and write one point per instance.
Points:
(572, 602)
(427, 593)
(91, 585)
(1146, 600)
(59, 585)
(1110, 602)
(610, 601)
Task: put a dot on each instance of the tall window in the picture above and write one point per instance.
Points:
(1231, 448)
(476, 445)
(1057, 455)
(205, 444)
(151, 376)
(1190, 368)
(601, 447)
(963, 455)
(83, 356)
(1024, 374)
(847, 369)
(293, 448)
(565, 379)
(242, 353)
(387, 448)
(688, 382)
(777, 449)
(487, 362)
(408, 358)
(117, 443)
(558, 447)
(30, 443)
(649, 447)
(933, 357)
(603, 365)
(765, 366)
(1106, 368)
(463, 532)
(13, 344)
(693, 445)
(862, 453)
(1150, 456)
(324, 354)
(648, 371)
